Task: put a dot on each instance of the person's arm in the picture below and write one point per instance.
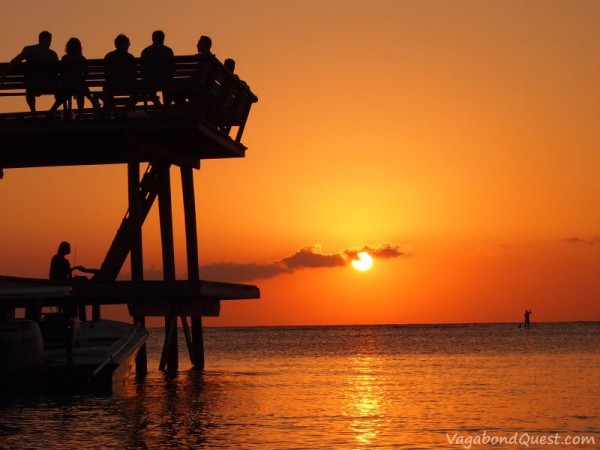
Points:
(14, 62)
(86, 270)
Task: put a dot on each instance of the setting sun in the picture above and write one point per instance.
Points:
(364, 261)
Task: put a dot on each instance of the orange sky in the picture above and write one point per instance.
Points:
(463, 132)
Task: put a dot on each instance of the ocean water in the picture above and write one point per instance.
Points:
(429, 387)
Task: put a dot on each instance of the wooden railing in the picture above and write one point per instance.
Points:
(190, 87)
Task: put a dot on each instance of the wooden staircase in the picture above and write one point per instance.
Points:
(122, 243)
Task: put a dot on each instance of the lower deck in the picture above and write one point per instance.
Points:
(144, 298)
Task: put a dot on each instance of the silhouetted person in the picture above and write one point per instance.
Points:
(194, 93)
(73, 71)
(120, 74)
(158, 67)
(203, 78)
(61, 270)
(60, 267)
(40, 74)
(527, 321)
(204, 45)
(229, 89)
(229, 64)
(204, 73)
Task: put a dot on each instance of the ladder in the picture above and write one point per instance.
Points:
(121, 244)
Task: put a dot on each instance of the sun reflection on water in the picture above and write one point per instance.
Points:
(364, 399)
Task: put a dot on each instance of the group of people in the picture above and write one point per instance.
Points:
(157, 69)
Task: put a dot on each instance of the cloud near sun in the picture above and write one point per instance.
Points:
(309, 257)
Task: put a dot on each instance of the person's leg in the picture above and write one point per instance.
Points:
(80, 105)
(59, 99)
(108, 102)
(93, 100)
(30, 98)
(133, 99)
(57, 102)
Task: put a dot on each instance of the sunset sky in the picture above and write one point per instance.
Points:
(457, 140)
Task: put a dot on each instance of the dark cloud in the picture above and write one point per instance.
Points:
(595, 240)
(239, 272)
(385, 251)
(310, 257)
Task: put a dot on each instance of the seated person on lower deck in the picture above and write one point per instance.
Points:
(60, 267)
(61, 270)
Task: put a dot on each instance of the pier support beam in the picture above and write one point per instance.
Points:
(170, 350)
(191, 237)
(136, 255)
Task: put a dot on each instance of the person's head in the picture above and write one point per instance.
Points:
(45, 38)
(204, 44)
(229, 64)
(64, 248)
(122, 42)
(158, 37)
(73, 47)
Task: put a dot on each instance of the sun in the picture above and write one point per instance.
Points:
(364, 261)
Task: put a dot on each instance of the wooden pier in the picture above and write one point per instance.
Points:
(207, 122)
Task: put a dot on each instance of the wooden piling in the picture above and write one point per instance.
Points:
(136, 255)
(191, 237)
(168, 255)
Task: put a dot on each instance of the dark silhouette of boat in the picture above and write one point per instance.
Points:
(62, 353)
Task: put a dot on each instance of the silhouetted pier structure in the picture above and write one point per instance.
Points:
(205, 122)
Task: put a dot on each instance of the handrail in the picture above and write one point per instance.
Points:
(208, 89)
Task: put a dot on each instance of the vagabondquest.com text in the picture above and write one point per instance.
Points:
(522, 439)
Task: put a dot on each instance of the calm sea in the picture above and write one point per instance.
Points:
(438, 386)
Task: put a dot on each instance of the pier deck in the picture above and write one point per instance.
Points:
(203, 114)
(46, 143)
(144, 298)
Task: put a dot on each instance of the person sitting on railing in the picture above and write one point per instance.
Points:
(158, 67)
(120, 75)
(40, 75)
(229, 64)
(223, 119)
(73, 72)
(228, 97)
